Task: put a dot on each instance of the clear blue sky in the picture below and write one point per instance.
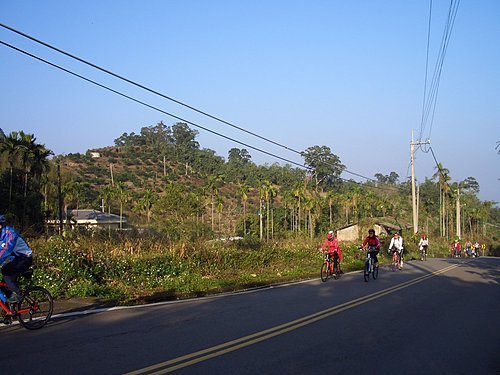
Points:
(346, 74)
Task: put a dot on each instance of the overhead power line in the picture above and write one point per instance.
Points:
(178, 117)
(171, 99)
(150, 106)
(146, 88)
(430, 97)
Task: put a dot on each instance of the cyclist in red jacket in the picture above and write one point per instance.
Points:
(373, 243)
(331, 245)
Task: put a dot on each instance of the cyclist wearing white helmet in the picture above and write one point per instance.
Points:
(396, 245)
(15, 258)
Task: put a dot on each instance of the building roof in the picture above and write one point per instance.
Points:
(93, 217)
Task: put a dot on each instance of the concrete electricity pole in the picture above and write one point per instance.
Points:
(459, 231)
(413, 190)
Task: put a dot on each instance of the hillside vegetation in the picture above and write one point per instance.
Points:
(182, 202)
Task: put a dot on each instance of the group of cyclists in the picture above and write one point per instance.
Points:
(470, 250)
(372, 243)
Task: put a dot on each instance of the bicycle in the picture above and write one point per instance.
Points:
(423, 253)
(369, 267)
(395, 260)
(34, 311)
(330, 267)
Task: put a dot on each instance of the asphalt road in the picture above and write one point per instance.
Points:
(434, 317)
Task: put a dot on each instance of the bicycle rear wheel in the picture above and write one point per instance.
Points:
(36, 309)
(325, 271)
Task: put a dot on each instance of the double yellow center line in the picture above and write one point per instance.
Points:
(230, 346)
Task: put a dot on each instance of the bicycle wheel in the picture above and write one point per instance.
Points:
(36, 309)
(366, 274)
(395, 262)
(325, 271)
(375, 273)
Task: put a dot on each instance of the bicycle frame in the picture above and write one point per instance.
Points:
(34, 311)
(423, 252)
(369, 261)
(330, 267)
(395, 260)
(6, 310)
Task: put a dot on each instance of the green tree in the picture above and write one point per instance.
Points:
(213, 185)
(243, 191)
(146, 202)
(442, 174)
(325, 165)
(11, 147)
(122, 194)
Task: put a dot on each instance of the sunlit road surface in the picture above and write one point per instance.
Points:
(434, 317)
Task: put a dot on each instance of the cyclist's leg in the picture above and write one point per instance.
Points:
(324, 270)
(336, 263)
(12, 270)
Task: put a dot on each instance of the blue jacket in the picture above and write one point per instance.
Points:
(12, 245)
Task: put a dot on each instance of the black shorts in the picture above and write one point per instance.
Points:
(17, 266)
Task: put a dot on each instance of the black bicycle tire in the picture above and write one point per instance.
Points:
(26, 319)
(394, 266)
(324, 271)
(366, 271)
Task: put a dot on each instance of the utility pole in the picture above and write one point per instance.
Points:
(111, 170)
(59, 199)
(459, 231)
(413, 190)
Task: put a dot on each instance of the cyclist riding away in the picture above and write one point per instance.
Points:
(396, 245)
(373, 243)
(15, 258)
(331, 246)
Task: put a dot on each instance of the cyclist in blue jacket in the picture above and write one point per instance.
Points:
(15, 258)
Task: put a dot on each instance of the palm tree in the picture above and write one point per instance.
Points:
(266, 192)
(272, 193)
(331, 199)
(214, 183)
(123, 195)
(243, 192)
(147, 201)
(262, 194)
(287, 201)
(442, 174)
(40, 163)
(299, 193)
(107, 194)
(73, 193)
(220, 207)
(26, 146)
(10, 146)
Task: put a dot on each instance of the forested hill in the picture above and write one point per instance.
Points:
(161, 178)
